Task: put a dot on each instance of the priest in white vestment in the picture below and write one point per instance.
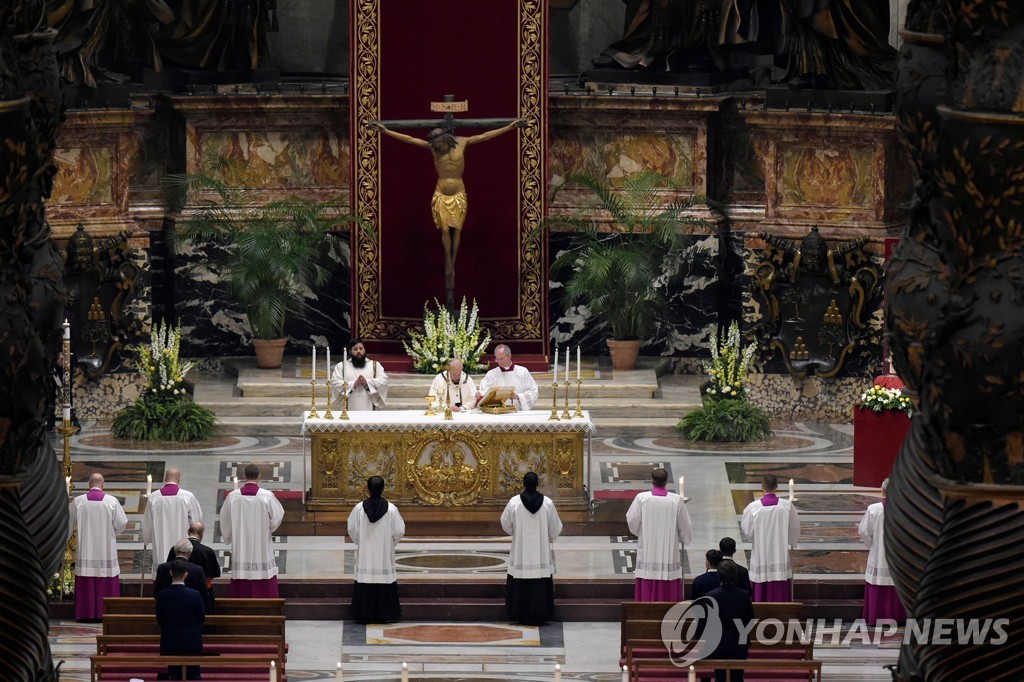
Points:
(375, 526)
(367, 381)
(508, 374)
(248, 518)
(98, 518)
(532, 521)
(881, 602)
(662, 525)
(773, 527)
(169, 513)
(456, 384)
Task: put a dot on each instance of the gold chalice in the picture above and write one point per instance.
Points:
(430, 405)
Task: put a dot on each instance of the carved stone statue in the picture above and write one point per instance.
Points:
(666, 35)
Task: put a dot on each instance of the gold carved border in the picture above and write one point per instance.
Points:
(368, 320)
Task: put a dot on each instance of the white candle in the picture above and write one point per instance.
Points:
(329, 368)
(405, 672)
(337, 674)
(791, 489)
(577, 363)
(625, 674)
(692, 676)
(273, 671)
(66, 413)
(566, 364)
(554, 378)
(234, 479)
(558, 673)
(682, 482)
(149, 484)
(67, 482)
(314, 362)
(67, 330)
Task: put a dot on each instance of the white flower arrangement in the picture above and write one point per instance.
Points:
(160, 363)
(445, 338)
(880, 398)
(729, 363)
(57, 590)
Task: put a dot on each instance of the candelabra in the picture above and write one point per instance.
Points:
(313, 414)
(344, 401)
(327, 413)
(579, 388)
(565, 412)
(554, 402)
(448, 404)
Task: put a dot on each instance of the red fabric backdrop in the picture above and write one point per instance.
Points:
(472, 50)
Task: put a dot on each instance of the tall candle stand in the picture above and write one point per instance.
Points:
(327, 413)
(554, 402)
(579, 388)
(448, 404)
(344, 401)
(313, 414)
(565, 412)
(67, 429)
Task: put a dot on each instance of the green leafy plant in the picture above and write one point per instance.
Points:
(730, 361)
(445, 338)
(62, 584)
(729, 420)
(165, 410)
(268, 255)
(880, 399)
(613, 269)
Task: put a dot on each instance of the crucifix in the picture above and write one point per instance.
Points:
(449, 204)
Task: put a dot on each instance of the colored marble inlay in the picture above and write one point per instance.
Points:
(118, 471)
(754, 472)
(458, 634)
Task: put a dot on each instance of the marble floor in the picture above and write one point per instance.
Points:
(720, 480)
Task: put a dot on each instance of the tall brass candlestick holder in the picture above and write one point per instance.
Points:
(554, 402)
(565, 412)
(579, 412)
(328, 414)
(344, 401)
(313, 414)
(448, 405)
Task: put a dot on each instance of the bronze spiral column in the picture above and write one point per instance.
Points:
(955, 309)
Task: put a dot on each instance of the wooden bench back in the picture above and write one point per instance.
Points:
(642, 620)
(137, 661)
(142, 624)
(225, 606)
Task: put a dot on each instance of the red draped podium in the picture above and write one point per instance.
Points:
(406, 55)
(877, 438)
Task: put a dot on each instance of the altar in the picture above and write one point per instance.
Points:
(436, 469)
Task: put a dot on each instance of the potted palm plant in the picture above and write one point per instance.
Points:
(615, 264)
(267, 255)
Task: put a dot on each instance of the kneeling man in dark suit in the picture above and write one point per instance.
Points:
(180, 615)
(733, 605)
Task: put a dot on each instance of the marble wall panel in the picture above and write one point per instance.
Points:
(615, 156)
(808, 399)
(276, 158)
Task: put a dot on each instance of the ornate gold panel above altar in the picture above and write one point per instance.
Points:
(435, 468)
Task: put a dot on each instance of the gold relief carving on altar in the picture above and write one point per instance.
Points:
(518, 456)
(447, 469)
(372, 456)
(565, 462)
(330, 461)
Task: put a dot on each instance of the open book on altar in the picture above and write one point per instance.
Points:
(493, 401)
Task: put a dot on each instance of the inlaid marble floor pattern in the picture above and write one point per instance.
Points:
(719, 479)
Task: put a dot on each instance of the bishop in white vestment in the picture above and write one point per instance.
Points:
(375, 526)
(248, 518)
(169, 513)
(508, 374)
(662, 525)
(880, 598)
(456, 384)
(532, 521)
(367, 381)
(98, 518)
(773, 526)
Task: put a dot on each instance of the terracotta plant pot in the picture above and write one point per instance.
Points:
(269, 352)
(624, 353)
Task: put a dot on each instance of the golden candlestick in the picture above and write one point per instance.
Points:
(448, 404)
(565, 413)
(579, 388)
(554, 402)
(327, 413)
(344, 401)
(313, 414)
(430, 406)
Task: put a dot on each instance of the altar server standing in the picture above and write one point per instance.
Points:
(248, 518)
(773, 527)
(169, 513)
(532, 521)
(98, 518)
(375, 526)
(367, 381)
(662, 525)
(509, 374)
(880, 598)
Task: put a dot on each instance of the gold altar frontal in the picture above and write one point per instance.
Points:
(437, 469)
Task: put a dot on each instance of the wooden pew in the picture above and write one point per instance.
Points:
(122, 667)
(212, 645)
(652, 652)
(143, 624)
(656, 671)
(226, 606)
